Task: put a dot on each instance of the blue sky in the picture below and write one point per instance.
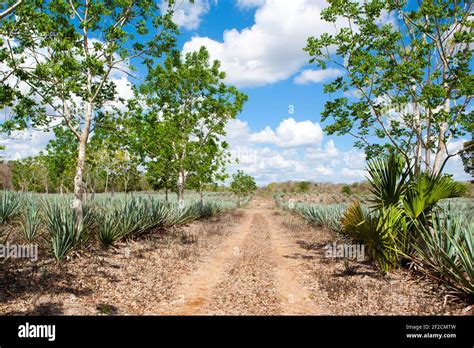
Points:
(279, 135)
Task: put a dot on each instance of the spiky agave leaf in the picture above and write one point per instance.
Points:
(447, 249)
(10, 203)
(30, 220)
(60, 222)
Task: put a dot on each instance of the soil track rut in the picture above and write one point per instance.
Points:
(254, 272)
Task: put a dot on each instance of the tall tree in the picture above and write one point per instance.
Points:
(409, 65)
(187, 108)
(65, 52)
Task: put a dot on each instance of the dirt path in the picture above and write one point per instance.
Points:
(253, 273)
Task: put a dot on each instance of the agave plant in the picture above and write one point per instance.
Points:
(30, 220)
(447, 249)
(328, 216)
(64, 233)
(9, 206)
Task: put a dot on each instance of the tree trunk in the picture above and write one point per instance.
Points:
(78, 180)
(201, 195)
(441, 148)
(81, 159)
(106, 181)
(166, 194)
(180, 191)
(418, 151)
(428, 140)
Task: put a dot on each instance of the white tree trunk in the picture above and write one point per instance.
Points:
(181, 186)
(441, 148)
(81, 159)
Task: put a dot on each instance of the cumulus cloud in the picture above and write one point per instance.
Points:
(317, 76)
(247, 4)
(271, 49)
(25, 143)
(188, 15)
(288, 134)
(330, 152)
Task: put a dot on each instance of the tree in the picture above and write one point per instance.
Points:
(65, 51)
(31, 174)
(468, 157)
(60, 157)
(187, 107)
(242, 184)
(411, 73)
(209, 168)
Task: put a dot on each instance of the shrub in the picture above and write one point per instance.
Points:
(346, 189)
(303, 186)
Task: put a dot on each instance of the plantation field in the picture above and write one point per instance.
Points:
(139, 254)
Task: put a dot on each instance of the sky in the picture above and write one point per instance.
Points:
(279, 135)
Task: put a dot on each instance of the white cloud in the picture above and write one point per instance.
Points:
(288, 134)
(247, 4)
(316, 76)
(188, 15)
(271, 49)
(25, 143)
(329, 152)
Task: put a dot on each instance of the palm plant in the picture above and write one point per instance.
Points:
(388, 180)
(382, 232)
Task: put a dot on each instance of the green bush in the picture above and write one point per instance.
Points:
(346, 189)
(304, 186)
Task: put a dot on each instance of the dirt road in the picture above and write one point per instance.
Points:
(253, 273)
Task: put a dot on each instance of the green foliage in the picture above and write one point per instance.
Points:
(387, 177)
(63, 233)
(30, 220)
(426, 191)
(303, 186)
(468, 157)
(384, 233)
(396, 73)
(10, 206)
(447, 249)
(179, 133)
(242, 184)
(328, 216)
(346, 189)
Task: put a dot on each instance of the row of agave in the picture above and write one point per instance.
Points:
(409, 219)
(106, 219)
